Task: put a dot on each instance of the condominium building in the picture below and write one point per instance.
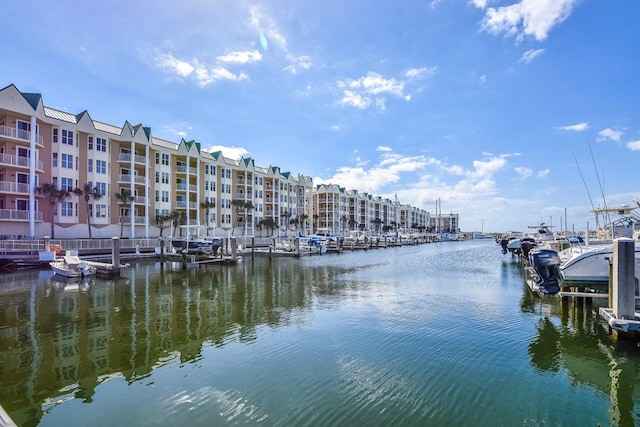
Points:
(68, 175)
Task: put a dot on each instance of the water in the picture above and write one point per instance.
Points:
(441, 334)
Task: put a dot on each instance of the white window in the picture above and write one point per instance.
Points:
(66, 208)
(67, 161)
(101, 145)
(67, 137)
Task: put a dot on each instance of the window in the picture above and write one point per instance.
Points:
(101, 211)
(102, 188)
(67, 161)
(101, 145)
(66, 208)
(228, 188)
(54, 160)
(90, 165)
(55, 135)
(101, 166)
(165, 196)
(67, 137)
(213, 186)
(90, 143)
(229, 173)
(165, 159)
(165, 177)
(206, 169)
(90, 210)
(157, 196)
(157, 158)
(206, 185)
(157, 177)
(66, 184)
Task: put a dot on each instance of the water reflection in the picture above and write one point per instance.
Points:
(571, 339)
(60, 339)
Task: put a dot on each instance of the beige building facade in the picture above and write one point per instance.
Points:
(141, 186)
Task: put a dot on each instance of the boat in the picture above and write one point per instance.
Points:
(590, 264)
(72, 266)
(196, 246)
(542, 271)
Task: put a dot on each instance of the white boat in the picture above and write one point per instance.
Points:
(72, 266)
(590, 263)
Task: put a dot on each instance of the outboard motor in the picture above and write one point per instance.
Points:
(546, 263)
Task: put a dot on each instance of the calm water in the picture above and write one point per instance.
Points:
(441, 334)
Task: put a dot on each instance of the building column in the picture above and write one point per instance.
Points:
(147, 187)
(32, 177)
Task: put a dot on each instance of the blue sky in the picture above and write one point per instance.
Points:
(493, 107)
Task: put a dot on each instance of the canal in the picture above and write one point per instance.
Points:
(436, 334)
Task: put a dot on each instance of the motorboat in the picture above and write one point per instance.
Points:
(195, 246)
(590, 263)
(72, 266)
(542, 271)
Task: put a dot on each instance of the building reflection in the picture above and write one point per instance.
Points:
(60, 339)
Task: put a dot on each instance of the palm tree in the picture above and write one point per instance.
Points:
(161, 222)
(269, 224)
(55, 196)
(303, 220)
(88, 193)
(176, 218)
(207, 206)
(243, 205)
(124, 197)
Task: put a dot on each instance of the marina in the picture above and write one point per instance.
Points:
(436, 334)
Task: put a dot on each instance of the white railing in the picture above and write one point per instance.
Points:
(23, 135)
(11, 160)
(127, 178)
(14, 187)
(17, 215)
(9, 243)
(136, 219)
(140, 199)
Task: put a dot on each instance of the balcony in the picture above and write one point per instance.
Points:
(14, 188)
(126, 157)
(140, 200)
(17, 215)
(136, 219)
(136, 179)
(22, 135)
(184, 169)
(19, 161)
(181, 204)
(182, 186)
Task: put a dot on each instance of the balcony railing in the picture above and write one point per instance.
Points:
(123, 177)
(23, 135)
(14, 187)
(183, 187)
(183, 169)
(126, 157)
(25, 162)
(137, 219)
(182, 204)
(17, 215)
(140, 200)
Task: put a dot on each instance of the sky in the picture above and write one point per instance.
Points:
(509, 113)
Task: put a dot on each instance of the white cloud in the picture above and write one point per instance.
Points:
(634, 145)
(610, 134)
(543, 173)
(181, 129)
(373, 89)
(579, 127)
(523, 172)
(530, 55)
(175, 65)
(229, 152)
(383, 148)
(534, 18)
(202, 74)
(241, 57)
